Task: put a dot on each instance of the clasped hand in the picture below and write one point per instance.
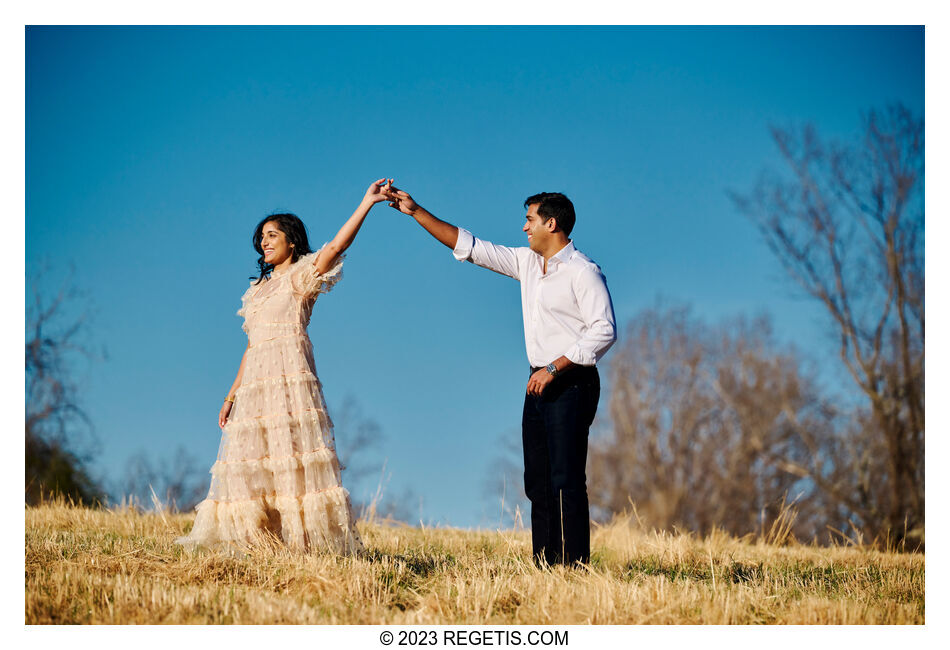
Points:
(397, 198)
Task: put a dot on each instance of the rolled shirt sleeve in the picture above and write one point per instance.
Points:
(597, 312)
(500, 259)
(464, 245)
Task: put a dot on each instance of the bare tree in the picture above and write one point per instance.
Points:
(702, 422)
(176, 482)
(59, 435)
(503, 486)
(392, 507)
(357, 437)
(847, 223)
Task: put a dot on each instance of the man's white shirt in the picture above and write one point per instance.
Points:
(567, 311)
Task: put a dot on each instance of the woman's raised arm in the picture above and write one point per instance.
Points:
(377, 192)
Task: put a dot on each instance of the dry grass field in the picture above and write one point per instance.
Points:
(120, 566)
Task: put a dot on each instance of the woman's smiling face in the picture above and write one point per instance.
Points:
(275, 245)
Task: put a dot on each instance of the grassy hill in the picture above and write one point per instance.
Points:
(120, 566)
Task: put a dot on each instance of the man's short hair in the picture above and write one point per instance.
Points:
(554, 205)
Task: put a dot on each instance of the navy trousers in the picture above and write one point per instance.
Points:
(554, 430)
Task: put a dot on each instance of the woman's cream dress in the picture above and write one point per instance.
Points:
(277, 470)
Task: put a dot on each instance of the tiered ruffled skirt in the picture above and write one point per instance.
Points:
(277, 472)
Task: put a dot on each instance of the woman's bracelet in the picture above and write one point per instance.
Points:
(229, 398)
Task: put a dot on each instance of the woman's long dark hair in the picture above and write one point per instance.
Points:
(294, 231)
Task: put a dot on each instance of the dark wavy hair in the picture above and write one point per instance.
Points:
(294, 231)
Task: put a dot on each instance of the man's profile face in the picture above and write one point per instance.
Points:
(538, 229)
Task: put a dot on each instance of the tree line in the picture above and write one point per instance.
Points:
(723, 427)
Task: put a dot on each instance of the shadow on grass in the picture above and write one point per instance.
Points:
(421, 565)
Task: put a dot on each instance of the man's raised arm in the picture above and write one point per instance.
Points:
(465, 247)
(444, 232)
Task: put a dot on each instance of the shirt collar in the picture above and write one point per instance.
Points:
(564, 254)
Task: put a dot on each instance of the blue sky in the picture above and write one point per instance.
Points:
(151, 153)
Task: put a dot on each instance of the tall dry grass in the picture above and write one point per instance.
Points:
(120, 566)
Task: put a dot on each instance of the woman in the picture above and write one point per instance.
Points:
(277, 471)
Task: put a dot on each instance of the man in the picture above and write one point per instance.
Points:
(568, 327)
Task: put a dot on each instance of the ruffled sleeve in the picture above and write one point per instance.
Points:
(308, 282)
